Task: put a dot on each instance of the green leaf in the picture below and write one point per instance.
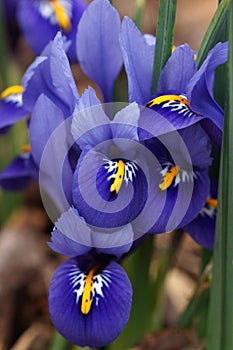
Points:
(164, 38)
(140, 5)
(216, 31)
(220, 334)
(137, 267)
(3, 49)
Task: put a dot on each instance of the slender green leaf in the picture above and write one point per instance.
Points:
(216, 31)
(140, 5)
(137, 266)
(3, 49)
(220, 335)
(164, 38)
(156, 301)
(60, 343)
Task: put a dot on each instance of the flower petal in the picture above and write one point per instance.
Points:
(90, 125)
(73, 237)
(51, 75)
(202, 229)
(110, 307)
(17, 175)
(185, 196)
(125, 123)
(174, 111)
(46, 117)
(138, 58)
(39, 24)
(92, 195)
(178, 70)
(50, 148)
(200, 88)
(11, 110)
(99, 30)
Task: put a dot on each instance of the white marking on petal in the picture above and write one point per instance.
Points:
(182, 176)
(130, 169)
(100, 282)
(47, 11)
(17, 99)
(181, 108)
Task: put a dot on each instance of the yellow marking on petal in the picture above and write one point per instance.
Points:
(61, 15)
(167, 98)
(173, 48)
(12, 90)
(212, 202)
(169, 177)
(25, 149)
(119, 177)
(87, 292)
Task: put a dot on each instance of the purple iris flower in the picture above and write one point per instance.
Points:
(184, 94)
(11, 107)
(90, 294)
(42, 77)
(19, 173)
(40, 20)
(202, 228)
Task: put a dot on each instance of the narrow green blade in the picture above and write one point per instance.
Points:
(164, 38)
(220, 334)
(216, 31)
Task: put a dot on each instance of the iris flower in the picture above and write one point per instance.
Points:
(17, 102)
(96, 158)
(11, 107)
(39, 21)
(202, 228)
(184, 94)
(111, 176)
(90, 294)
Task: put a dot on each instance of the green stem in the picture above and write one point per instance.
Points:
(164, 38)
(157, 288)
(3, 50)
(140, 5)
(137, 267)
(60, 343)
(215, 32)
(220, 334)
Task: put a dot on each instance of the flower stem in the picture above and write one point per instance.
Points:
(164, 38)
(215, 31)
(3, 50)
(140, 5)
(220, 333)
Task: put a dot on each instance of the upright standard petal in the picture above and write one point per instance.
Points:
(90, 301)
(50, 74)
(138, 58)
(90, 125)
(72, 237)
(178, 70)
(49, 139)
(99, 30)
